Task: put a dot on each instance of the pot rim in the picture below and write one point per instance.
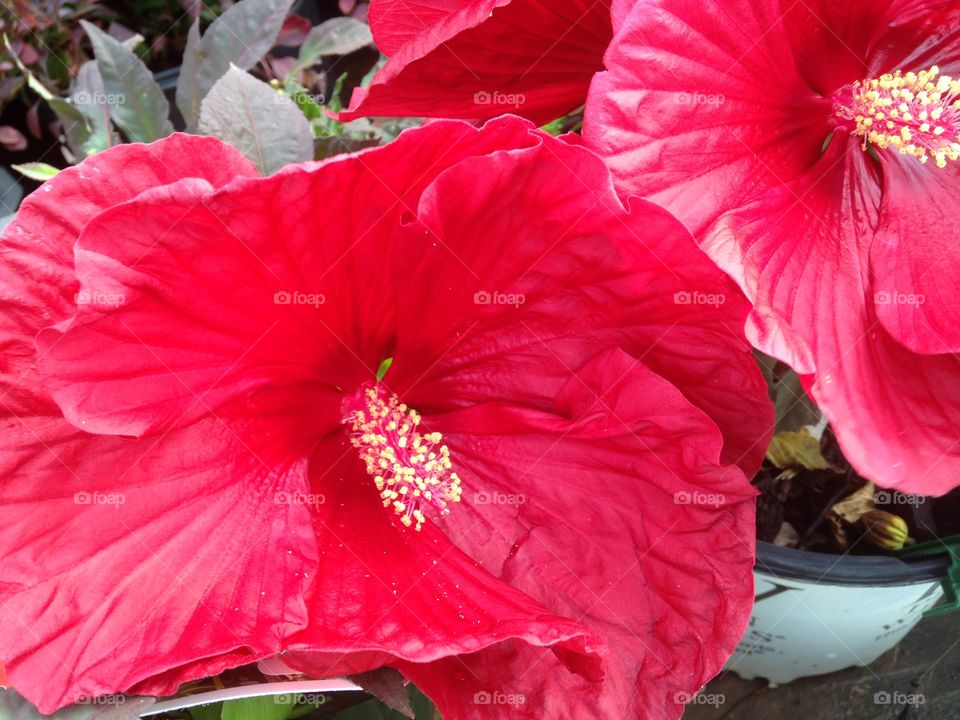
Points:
(851, 570)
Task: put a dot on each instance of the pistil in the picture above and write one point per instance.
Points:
(411, 470)
(917, 114)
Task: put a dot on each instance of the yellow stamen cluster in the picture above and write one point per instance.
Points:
(411, 470)
(917, 114)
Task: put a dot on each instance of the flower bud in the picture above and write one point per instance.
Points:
(886, 530)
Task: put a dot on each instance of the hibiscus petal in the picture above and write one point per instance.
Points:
(390, 594)
(36, 249)
(44, 464)
(550, 268)
(801, 250)
(915, 257)
(91, 526)
(206, 296)
(865, 40)
(616, 510)
(702, 107)
(397, 22)
(478, 60)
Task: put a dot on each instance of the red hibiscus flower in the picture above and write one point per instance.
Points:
(446, 406)
(812, 147)
(481, 59)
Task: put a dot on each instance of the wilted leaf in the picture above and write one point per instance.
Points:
(257, 120)
(796, 450)
(114, 707)
(337, 36)
(855, 505)
(240, 36)
(787, 536)
(36, 170)
(136, 103)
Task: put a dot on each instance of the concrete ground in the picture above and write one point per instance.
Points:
(917, 680)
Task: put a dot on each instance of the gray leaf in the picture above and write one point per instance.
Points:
(90, 99)
(241, 36)
(258, 121)
(136, 102)
(338, 36)
(10, 192)
(109, 707)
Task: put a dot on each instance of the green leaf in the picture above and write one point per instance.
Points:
(308, 103)
(210, 711)
(36, 170)
(375, 710)
(338, 36)
(267, 707)
(241, 36)
(136, 102)
(260, 122)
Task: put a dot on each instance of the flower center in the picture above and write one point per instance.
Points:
(411, 470)
(916, 113)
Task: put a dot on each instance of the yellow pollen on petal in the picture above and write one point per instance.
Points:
(916, 114)
(410, 470)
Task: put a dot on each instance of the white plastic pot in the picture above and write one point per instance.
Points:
(817, 613)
